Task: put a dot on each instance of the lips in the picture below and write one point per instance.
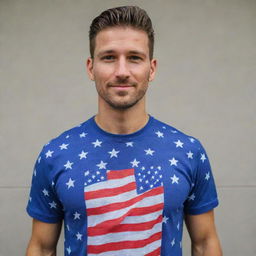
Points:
(122, 87)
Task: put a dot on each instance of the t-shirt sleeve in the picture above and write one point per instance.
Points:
(43, 203)
(203, 194)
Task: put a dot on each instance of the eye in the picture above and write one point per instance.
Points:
(135, 57)
(108, 57)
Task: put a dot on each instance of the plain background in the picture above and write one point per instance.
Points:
(205, 86)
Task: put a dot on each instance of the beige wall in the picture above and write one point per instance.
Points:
(206, 86)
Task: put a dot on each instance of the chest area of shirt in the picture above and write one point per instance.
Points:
(123, 178)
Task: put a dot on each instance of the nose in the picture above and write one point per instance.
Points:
(122, 69)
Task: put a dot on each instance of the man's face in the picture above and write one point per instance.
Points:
(121, 67)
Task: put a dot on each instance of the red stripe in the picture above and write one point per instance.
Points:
(111, 175)
(102, 230)
(120, 205)
(107, 192)
(145, 210)
(123, 245)
(154, 253)
(131, 212)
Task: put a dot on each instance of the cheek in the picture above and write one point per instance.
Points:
(102, 73)
(141, 74)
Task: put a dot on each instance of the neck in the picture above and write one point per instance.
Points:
(122, 121)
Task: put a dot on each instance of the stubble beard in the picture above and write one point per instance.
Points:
(121, 103)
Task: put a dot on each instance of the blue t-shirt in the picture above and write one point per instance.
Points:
(122, 194)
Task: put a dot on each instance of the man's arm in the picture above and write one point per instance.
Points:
(203, 234)
(44, 239)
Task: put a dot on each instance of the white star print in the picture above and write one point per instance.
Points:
(82, 135)
(53, 204)
(49, 153)
(39, 159)
(129, 144)
(68, 250)
(173, 242)
(192, 197)
(70, 183)
(68, 165)
(165, 219)
(178, 226)
(102, 165)
(173, 161)
(34, 172)
(207, 176)
(46, 193)
(113, 153)
(76, 216)
(192, 140)
(203, 158)
(78, 236)
(175, 179)
(97, 143)
(67, 136)
(159, 134)
(149, 152)
(63, 146)
(83, 155)
(190, 155)
(178, 144)
(173, 131)
(135, 163)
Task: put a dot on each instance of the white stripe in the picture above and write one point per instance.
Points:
(92, 203)
(109, 184)
(132, 252)
(124, 236)
(93, 220)
(142, 218)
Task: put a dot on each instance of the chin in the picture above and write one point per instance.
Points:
(122, 105)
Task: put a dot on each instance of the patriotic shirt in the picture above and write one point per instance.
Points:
(122, 195)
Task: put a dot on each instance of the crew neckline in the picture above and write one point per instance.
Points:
(128, 135)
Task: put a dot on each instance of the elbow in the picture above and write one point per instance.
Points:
(207, 247)
(35, 249)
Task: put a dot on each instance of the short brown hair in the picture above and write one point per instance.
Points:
(131, 16)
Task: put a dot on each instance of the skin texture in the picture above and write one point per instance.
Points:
(121, 59)
(202, 231)
(44, 239)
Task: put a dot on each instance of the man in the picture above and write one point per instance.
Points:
(122, 181)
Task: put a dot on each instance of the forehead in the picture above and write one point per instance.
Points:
(121, 39)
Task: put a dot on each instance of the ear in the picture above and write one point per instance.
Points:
(153, 65)
(89, 68)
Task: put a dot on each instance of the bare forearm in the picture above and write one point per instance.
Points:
(36, 250)
(207, 248)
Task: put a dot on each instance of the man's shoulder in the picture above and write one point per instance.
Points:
(179, 137)
(71, 135)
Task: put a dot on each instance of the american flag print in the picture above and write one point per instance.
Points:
(124, 212)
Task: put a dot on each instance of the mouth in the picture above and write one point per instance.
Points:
(122, 87)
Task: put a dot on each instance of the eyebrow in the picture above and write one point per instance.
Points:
(112, 51)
